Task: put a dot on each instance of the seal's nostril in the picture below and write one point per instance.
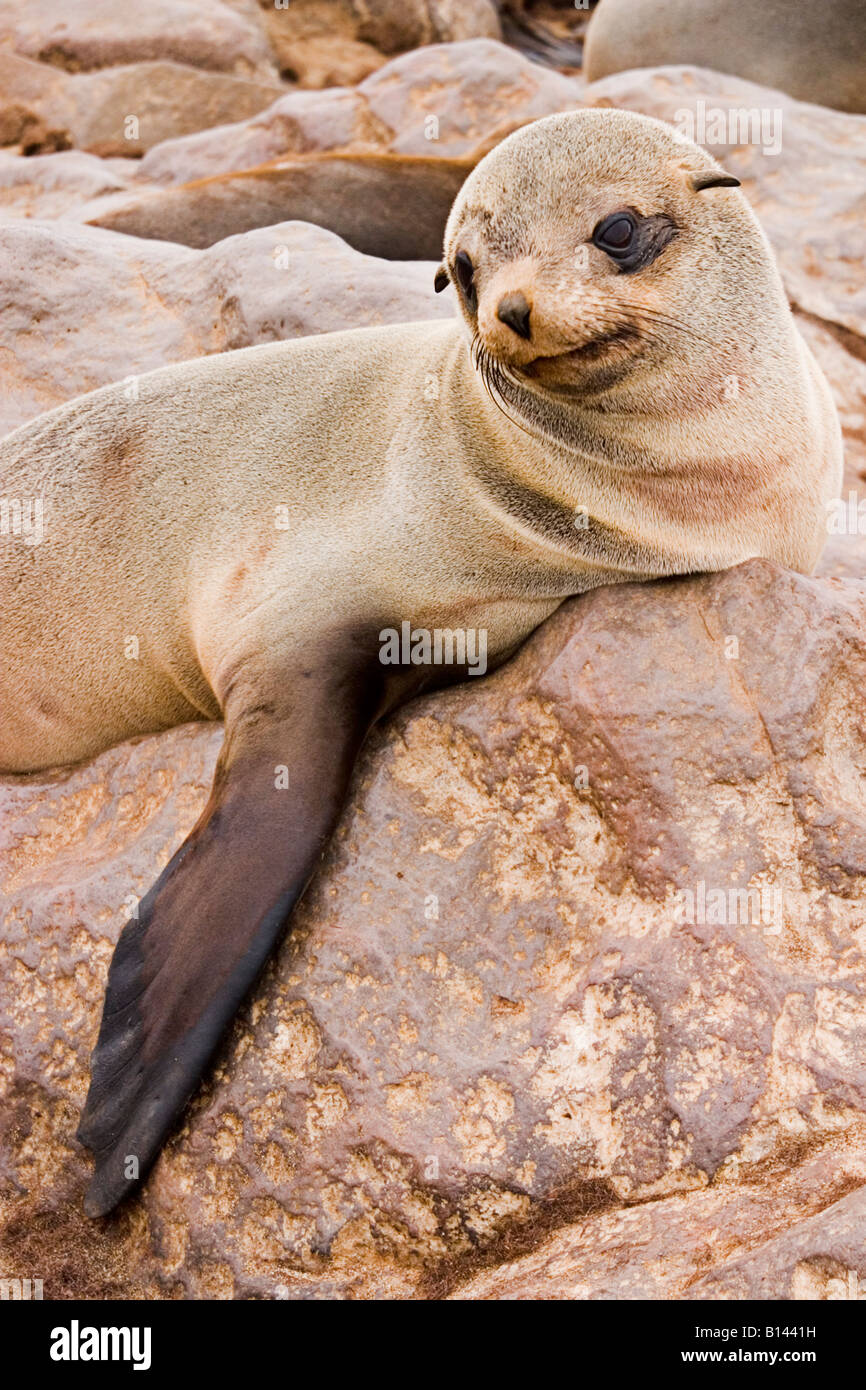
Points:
(514, 310)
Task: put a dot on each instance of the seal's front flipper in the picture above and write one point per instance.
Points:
(204, 931)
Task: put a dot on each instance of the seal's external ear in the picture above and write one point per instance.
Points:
(441, 279)
(701, 181)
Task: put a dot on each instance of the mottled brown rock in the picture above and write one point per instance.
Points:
(491, 1037)
(30, 95)
(842, 356)
(328, 42)
(125, 111)
(81, 307)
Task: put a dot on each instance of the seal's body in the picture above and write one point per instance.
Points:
(776, 43)
(623, 396)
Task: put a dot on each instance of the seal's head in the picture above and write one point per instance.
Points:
(590, 245)
(625, 310)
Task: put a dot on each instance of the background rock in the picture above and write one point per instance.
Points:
(48, 185)
(118, 111)
(449, 100)
(328, 42)
(490, 1023)
(382, 204)
(60, 285)
(100, 33)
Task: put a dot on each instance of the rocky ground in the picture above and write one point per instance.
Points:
(493, 1060)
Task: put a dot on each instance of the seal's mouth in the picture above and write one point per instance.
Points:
(559, 369)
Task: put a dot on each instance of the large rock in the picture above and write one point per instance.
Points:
(342, 41)
(80, 307)
(100, 33)
(449, 100)
(48, 185)
(382, 204)
(588, 947)
(380, 166)
(119, 111)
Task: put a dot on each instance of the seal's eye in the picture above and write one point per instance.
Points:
(465, 270)
(615, 235)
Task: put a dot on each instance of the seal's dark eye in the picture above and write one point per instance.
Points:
(465, 270)
(615, 234)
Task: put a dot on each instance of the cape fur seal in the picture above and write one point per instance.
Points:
(813, 54)
(623, 395)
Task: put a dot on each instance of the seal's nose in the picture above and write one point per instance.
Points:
(514, 311)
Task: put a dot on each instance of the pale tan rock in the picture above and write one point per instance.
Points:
(81, 307)
(32, 105)
(120, 111)
(449, 100)
(489, 1033)
(100, 33)
(48, 185)
(755, 1233)
(322, 60)
(473, 90)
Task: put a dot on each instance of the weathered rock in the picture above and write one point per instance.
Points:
(99, 33)
(790, 1231)
(328, 42)
(324, 60)
(167, 100)
(30, 95)
(475, 92)
(118, 111)
(816, 55)
(843, 359)
(382, 204)
(450, 100)
(493, 1018)
(63, 287)
(48, 185)
(298, 123)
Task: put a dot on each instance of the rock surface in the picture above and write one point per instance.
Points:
(382, 204)
(495, 1058)
(451, 100)
(61, 284)
(343, 41)
(492, 1034)
(100, 33)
